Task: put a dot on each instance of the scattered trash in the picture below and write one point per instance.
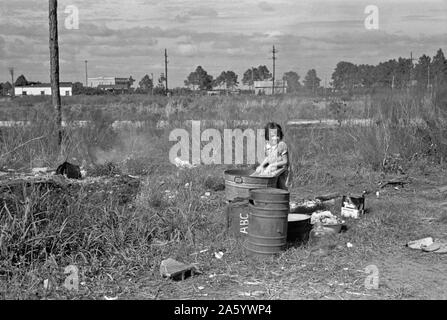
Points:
(349, 245)
(307, 206)
(173, 269)
(207, 194)
(325, 218)
(183, 164)
(69, 170)
(46, 284)
(401, 183)
(201, 251)
(353, 206)
(433, 247)
(218, 255)
(418, 244)
(187, 185)
(428, 245)
(39, 170)
(110, 298)
(377, 194)
(200, 288)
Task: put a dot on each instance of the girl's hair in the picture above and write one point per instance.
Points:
(273, 125)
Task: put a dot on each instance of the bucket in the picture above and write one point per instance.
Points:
(237, 218)
(238, 183)
(267, 231)
(298, 228)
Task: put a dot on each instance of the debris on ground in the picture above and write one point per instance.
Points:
(418, 244)
(428, 245)
(175, 270)
(183, 164)
(325, 218)
(69, 170)
(218, 255)
(306, 206)
(396, 182)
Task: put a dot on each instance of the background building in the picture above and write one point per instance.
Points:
(111, 83)
(265, 87)
(43, 89)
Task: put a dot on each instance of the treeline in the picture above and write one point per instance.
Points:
(427, 73)
(402, 73)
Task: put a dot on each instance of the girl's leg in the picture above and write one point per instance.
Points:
(282, 181)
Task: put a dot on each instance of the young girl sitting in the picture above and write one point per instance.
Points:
(276, 162)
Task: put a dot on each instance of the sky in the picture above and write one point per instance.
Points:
(128, 37)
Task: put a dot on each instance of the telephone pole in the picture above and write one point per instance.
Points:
(86, 73)
(166, 70)
(11, 72)
(152, 89)
(274, 51)
(54, 68)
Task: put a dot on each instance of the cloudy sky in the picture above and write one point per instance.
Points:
(128, 37)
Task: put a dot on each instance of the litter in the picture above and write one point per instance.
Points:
(173, 269)
(433, 247)
(183, 164)
(110, 298)
(418, 244)
(325, 218)
(349, 245)
(218, 255)
(69, 170)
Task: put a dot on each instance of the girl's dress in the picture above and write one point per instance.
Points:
(274, 153)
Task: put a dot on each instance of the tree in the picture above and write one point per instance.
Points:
(422, 71)
(311, 81)
(7, 88)
(131, 81)
(146, 84)
(345, 76)
(199, 79)
(256, 74)
(227, 78)
(293, 81)
(78, 88)
(439, 68)
(21, 81)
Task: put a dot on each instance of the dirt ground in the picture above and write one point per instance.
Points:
(341, 273)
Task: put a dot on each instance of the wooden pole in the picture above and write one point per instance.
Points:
(54, 68)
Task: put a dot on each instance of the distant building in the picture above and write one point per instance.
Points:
(43, 89)
(110, 83)
(265, 87)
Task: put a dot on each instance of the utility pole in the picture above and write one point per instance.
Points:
(86, 73)
(152, 88)
(166, 70)
(411, 70)
(274, 59)
(252, 79)
(11, 72)
(54, 68)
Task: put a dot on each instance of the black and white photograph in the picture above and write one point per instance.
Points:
(247, 152)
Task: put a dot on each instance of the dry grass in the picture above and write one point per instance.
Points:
(119, 242)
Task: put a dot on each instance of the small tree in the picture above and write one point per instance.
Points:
(293, 81)
(199, 79)
(146, 84)
(311, 81)
(21, 81)
(228, 78)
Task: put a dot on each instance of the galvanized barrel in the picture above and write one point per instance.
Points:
(237, 214)
(298, 228)
(267, 231)
(238, 183)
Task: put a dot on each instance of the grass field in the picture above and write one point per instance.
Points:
(117, 243)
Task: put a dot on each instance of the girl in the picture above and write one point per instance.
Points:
(276, 162)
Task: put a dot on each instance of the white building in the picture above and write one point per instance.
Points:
(101, 81)
(43, 89)
(266, 87)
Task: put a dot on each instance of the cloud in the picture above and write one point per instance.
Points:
(201, 12)
(264, 6)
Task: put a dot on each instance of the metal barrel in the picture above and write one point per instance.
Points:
(238, 183)
(267, 231)
(237, 214)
